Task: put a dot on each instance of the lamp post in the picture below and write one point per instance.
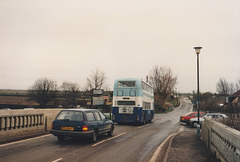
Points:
(197, 50)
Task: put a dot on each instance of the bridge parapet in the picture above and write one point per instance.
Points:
(222, 140)
(21, 121)
(17, 124)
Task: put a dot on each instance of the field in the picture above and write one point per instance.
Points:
(5, 92)
(15, 99)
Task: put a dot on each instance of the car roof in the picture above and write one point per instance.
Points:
(194, 112)
(215, 114)
(80, 109)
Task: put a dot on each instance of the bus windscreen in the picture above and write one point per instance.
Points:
(126, 84)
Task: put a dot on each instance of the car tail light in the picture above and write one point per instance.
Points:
(138, 117)
(84, 128)
(52, 125)
(113, 117)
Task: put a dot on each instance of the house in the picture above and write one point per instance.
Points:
(236, 97)
(233, 98)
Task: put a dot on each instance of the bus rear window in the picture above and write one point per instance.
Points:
(126, 102)
(126, 84)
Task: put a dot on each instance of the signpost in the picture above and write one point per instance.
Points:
(98, 92)
(98, 99)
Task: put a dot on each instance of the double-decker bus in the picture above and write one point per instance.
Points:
(133, 101)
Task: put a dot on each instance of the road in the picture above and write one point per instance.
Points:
(129, 143)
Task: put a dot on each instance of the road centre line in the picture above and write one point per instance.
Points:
(25, 140)
(109, 139)
(57, 160)
(30, 139)
(156, 121)
(143, 126)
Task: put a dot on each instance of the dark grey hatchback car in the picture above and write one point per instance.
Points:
(81, 123)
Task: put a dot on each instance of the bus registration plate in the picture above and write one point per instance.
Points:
(126, 110)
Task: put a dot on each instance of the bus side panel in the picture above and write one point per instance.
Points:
(148, 115)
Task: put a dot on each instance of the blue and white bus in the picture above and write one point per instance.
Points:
(133, 101)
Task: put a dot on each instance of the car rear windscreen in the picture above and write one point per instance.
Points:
(70, 115)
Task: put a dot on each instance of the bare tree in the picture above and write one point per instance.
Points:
(42, 91)
(163, 81)
(232, 88)
(223, 87)
(237, 86)
(97, 80)
(71, 91)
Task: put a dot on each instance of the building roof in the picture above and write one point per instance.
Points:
(237, 94)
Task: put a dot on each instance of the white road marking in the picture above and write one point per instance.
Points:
(109, 139)
(29, 139)
(57, 160)
(156, 121)
(143, 126)
(155, 155)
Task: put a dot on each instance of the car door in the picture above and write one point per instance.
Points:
(189, 116)
(91, 122)
(100, 122)
(106, 124)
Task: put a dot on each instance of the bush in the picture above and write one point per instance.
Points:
(232, 121)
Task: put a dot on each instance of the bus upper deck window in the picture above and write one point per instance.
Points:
(126, 84)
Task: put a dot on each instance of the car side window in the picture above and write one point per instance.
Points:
(97, 116)
(190, 115)
(90, 116)
(196, 115)
(102, 116)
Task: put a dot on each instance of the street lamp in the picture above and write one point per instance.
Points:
(197, 50)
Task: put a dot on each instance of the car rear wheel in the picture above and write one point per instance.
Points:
(110, 133)
(60, 138)
(94, 136)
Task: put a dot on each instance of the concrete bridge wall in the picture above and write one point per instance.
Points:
(222, 140)
(18, 124)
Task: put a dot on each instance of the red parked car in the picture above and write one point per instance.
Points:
(186, 118)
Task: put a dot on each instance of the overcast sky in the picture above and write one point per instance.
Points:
(65, 40)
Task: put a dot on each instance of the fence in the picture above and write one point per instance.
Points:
(222, 140)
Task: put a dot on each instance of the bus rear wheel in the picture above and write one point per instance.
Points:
(144, 122)
(61, 138)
